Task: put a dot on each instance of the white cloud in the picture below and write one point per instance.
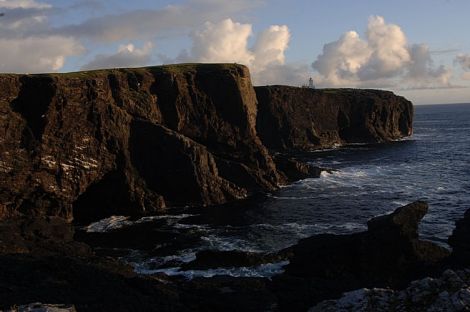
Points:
(228, 41)
(149, 23)
(126, 56)
(383, 59)
(225, 41)
(23, 4)
(35, 55)
(24, 45)
(421, 71)
(270, 46)
(464, 61)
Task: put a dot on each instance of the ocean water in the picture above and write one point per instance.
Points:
(369, 180)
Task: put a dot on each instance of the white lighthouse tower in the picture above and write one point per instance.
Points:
(310, 83)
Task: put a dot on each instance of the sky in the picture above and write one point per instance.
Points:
(419, 49)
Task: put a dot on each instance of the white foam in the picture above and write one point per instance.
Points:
(227, 243)
(199, 227)
(118, 222)
(305, 230)
(264, 270)
(108, 224)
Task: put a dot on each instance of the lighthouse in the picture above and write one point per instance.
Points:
(310, 83)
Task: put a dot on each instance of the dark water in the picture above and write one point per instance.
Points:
(432, 165)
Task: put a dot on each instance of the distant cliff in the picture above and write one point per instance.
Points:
(132, 141)
(303, 118)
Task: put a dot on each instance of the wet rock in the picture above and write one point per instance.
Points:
(295, 170)
(389, 254)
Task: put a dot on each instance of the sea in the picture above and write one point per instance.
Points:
(365, 181)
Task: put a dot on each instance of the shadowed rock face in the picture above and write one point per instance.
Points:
(460, 242)
(302, 118)
(132, 141)
(129, 141)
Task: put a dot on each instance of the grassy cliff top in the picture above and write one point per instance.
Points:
(172, 68)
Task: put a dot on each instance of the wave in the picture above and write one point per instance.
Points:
(265, 270)
(108, 224)
(118, 222)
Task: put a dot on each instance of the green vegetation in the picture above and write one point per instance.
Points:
(173, 68)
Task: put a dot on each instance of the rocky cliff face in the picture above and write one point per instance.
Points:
(302, 118)
(129, 141)
(133, 141)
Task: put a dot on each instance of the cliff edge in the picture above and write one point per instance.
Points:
(88, 145)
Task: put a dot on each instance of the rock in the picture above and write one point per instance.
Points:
(295, 170)
(389, 254)
(460, 242)
(225, 293)
(42, 236)
(304, 119)
(403, 221)
(429, 294)
(129, 141)
(132, 142)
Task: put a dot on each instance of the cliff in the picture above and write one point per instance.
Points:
(132, 141)
(304, 119)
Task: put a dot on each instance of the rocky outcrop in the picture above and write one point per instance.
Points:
(389, 254)
(41, 252)
(304, 119)
(460, 242)
(449, 292)
(133, 141)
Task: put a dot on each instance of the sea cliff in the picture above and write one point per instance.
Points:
(88, 145)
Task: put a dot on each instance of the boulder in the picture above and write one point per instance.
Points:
(389, 254)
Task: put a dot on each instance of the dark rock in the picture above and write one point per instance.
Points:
(225, 293)
(130, 142)
(460, 242)
(402, 222)
(389, 254)
(41, 236)
(295, 170)
(304, 119)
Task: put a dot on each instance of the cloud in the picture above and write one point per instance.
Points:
(36, 55)
(26, 23)
(228, 41)
(23, 4)
(23, 48)
(383, 59)
(146, 24)
(464, 61)
(270, 46)
(421, 71)
(126, 56)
